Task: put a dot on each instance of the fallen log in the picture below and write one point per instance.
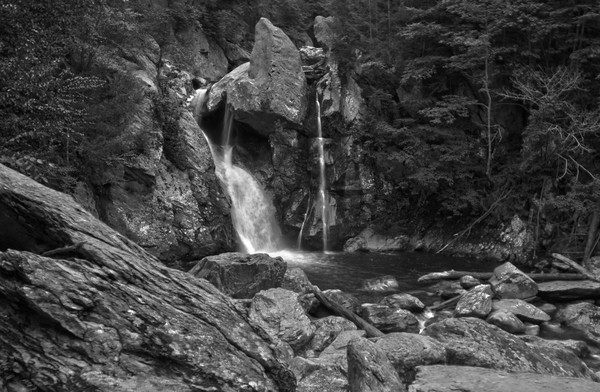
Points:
(538, 277)
(446, 304)
(576, 267)
(343, 312)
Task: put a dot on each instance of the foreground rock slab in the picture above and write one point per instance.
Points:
(473, 342)
(568, 290)
(104, 315)
(240, 275)
(440, 378)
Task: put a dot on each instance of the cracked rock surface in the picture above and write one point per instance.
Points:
(101, 314)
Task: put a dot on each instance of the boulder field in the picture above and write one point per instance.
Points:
(84, 308)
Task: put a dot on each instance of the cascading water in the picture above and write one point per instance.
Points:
(323, 195)
(253, 214)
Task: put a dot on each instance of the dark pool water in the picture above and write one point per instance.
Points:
(347, 271)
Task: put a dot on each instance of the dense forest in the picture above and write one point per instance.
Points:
(491, 108)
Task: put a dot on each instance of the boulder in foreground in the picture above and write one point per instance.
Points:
(240, 275)
(474, 379)
(102, 314)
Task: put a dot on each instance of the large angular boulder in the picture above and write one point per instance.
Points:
(408, 350)
(476, 302)
(403, 301)
(278, 312)
(316, 374)
(324, 31)
(369, 369)
(270, 88)
(510, 282)
(582, 316)
(327, 330)
(380, 284)
(506, 321)
(388, 319)
(97, 312)
(440, 378)
(473, 342)
(241, 275)
(295, 280)
(523, 310)
(337, 351)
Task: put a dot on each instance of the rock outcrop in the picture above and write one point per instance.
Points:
(84, 308)
(240, 275)
(270, 88)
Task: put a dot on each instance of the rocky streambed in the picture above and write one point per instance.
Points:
(85, 309)
(486, 331)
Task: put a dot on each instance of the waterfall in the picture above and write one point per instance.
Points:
(323, 196)
(252, 212)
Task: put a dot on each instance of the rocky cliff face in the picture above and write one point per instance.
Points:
(164, 194)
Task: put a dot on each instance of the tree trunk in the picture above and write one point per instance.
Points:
(591, 238)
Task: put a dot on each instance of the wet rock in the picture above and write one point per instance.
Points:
(509, 282)
(523, 310)
(473, 342)
(439, 316)
(369, 369)
(309, 303)
(337, 351)
(380, 284)
(476, 302)
(327, 330)
(295, 280)
(168, 199)
(311, 55)
(407, 350)
(547, 308)
(506, 321)
(278, 312)
(467, 282)
(577, 347)
(109, 316)
(440, 378)
(271, 88)
(447, 289)
(566, 290)
(582, 316)
(388, 319)
(315, 374)
(241, 275)
(403, 301)
(348, 301)
(369, 241)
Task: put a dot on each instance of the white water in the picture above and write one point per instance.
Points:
(252, 212)
(323, 196)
